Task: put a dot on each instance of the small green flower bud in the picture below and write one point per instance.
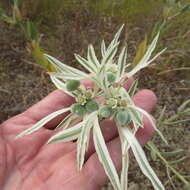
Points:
(92, 106)
(78, 109)
(105, 111)
(123, 117)
(72, 85)
(111, 77)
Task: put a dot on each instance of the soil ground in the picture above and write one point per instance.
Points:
(23, 83)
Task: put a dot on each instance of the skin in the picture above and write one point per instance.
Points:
(29, 163)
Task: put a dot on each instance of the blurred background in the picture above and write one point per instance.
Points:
(65, 27)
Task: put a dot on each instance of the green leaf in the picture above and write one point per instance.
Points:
(140, 52)
(185, 8)
(65, 68)
(144, 61)
(32, 31)
(141, 159)
(83, 140)
(104, 156)
(38, 55)
(122, 62)
(110, 54)
(68, 134)
(161, 116)
(92, 58)
(183, 106)
(89, 67)
(6, 18)
(103, 48)
(136, 117)
(133, 88)
(42, 122)
(116, 38)
(151, 121)
(125, 165)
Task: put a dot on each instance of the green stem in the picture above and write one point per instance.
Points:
(155, 150)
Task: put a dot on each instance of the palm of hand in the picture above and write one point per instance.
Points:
(29, 163)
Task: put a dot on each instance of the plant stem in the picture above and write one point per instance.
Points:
(155, 150)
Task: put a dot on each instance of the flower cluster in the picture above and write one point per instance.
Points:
(105, 98)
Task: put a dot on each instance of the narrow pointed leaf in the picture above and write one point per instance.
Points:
(92, 57)
(144, 61)
(141, 159)
(42, 122)
(82, 143)
(104, 156)
(103, 48)
(116, 37)
(133, 88)
(140, 52)
(136, 117)
(89, 67)
(62, 67)
(67, 134)
(125, 165)
(122, 62)
(151, 121)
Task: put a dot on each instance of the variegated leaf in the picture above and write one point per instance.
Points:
(62, 67)
(141, 159)
(122, 63)
(104, 156)
(86, 64)
(82, 143)
(151, 121)
(144, 61)
(68, 134)
(92, 57)
(42, 122)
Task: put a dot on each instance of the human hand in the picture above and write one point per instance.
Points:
(29, 163)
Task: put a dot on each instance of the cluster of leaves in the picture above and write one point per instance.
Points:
(31, 32)
(108, 76)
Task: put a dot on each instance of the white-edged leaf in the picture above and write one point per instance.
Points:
(122, 62)
(125, 165)
(136, 117)
(60, 85)
(83, 140)
(68, 134)
(133, 88)
(65, 68)
(116, 38)
(67, 121)
(151, 121)
(141, 159)
(66, 76)
(104, 156)
(110, 53)
(89, 67)
(144, 61)
(42, 122)
(92, 57)
(103, 48)
(157, 55)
